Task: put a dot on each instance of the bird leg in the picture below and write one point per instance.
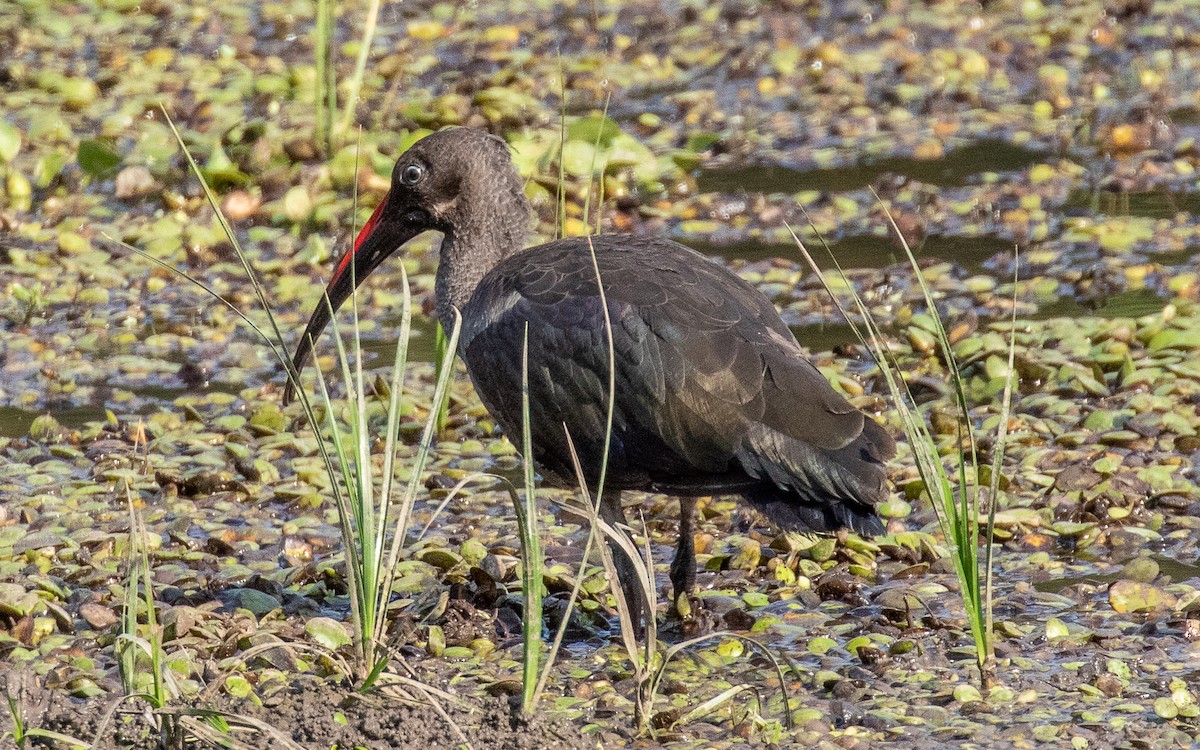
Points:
(683, 565)
(613, 512)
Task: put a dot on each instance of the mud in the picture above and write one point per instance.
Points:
(309, 712)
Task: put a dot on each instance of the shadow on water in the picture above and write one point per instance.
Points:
(954, 169)
(152, 396)
(1131, 304)
(1178, 570)
(823, 337)
(147, 399)
(864, 251)
(820, 337)
(422, 341)
(14, 422)
(1153, 204)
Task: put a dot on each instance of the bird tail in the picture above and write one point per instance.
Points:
(806, 488)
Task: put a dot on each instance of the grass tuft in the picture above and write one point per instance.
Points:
(954, 490)
(141, 661)
(365, 498)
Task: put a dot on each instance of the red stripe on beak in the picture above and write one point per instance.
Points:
(377, 240)
(363, 233)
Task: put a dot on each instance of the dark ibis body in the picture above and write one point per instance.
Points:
(713, 393)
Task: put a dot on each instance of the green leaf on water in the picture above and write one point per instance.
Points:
(856, 643)
(1166, 708)
(594, 129)
(756, 599)
(579, 158)
(48, 167)
(221, 173)
(1174, 338)
(821, 644)
(1118, 668)
(1018, 517)
(702, 141)
(1056, 628)
(731, 648)
(98, 156)
(328, 632)
(237, 686)
(1136, 596)
(10, 142)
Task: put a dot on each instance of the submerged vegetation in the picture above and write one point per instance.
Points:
(275, 559)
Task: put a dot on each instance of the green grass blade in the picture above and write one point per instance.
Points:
(921, 441)
(53, 736)
(346, 505)
(363, 556)
(360, 64)
(376, 670)
(350, 384)
(560, 633)
(624, 612)
(14, 713)
(154, 635)
(612, 375)
(440, 347)
(275, 340)
(954, 516)
(279, 354)
(966, 522)
(227, 229)
(396, 389)
(356, 476)
(592, 171)
(404, 512)
(326, 80)
(998, 461)
(452, 495)
(531, 551)
(648, 585)
(127, 655)
(560, 229)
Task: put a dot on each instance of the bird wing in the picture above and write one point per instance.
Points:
(708, 378)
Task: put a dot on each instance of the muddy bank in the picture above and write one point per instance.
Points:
(308, 713)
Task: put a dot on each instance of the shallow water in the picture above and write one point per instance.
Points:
(959, 167)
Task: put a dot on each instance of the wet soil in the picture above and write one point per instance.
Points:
(309, 713)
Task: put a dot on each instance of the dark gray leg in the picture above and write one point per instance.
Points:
(683, 565)
(612, 511)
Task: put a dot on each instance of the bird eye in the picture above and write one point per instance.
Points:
(412, 174)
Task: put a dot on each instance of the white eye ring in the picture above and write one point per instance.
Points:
(412, 174)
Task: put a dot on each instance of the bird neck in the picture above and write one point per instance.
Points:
(475, 243)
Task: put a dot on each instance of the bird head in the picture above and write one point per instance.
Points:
(433, 185)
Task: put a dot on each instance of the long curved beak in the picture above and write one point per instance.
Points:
(377, 240)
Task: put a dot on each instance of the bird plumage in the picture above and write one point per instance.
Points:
(713, 394)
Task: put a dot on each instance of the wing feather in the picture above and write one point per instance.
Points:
(709, 380)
